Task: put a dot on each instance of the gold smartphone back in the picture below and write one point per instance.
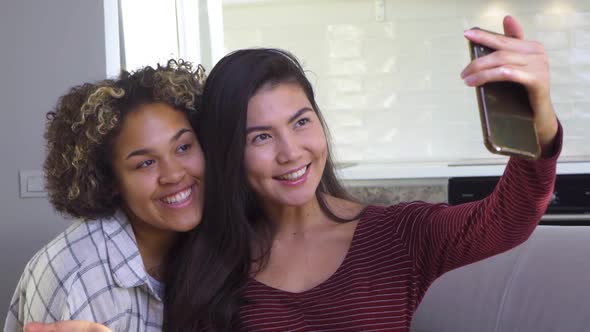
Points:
(506, 115)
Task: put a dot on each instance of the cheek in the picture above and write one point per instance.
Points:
(197, 161)
(249, 165)
(319, 143)
(257, 165)
(322, 147)
(136, 187)
(256, 160)
(195, 166)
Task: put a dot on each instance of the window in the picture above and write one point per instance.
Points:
(153, 31)
(386, 72)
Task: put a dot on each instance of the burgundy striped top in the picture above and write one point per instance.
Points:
(398, 251)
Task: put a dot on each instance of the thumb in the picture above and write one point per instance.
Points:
(38, 327)
(66, 326)
(512, 28)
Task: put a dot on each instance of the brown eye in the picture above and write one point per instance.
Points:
(302, 122)
(260, 138)
(184, 148)
(146, 163)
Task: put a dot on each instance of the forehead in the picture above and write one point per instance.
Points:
(149, 124)
(276, 101)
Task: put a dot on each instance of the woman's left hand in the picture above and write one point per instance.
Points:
(517, 60)
(66, 326)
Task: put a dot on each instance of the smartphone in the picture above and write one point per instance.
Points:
(506, 114)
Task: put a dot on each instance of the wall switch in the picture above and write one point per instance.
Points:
(32, 184)
(379, 10)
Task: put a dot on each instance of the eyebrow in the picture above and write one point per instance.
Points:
(291, 119)
(140, 152)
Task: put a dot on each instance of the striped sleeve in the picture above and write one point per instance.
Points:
(440, 237)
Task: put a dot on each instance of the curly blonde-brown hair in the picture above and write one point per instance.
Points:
(80, 132)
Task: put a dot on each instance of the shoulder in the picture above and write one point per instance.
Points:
(71, 278)
(49, 281)
(397, 215)
(82, 243)
(344, 208)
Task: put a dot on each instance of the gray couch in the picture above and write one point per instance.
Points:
(541, 285)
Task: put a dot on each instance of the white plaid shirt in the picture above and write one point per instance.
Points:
(93, 271)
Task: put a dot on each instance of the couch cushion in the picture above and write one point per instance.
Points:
(541, 285)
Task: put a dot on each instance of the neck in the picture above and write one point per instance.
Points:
(153, 244)
(294, 219)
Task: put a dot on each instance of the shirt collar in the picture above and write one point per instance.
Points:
(124, 259)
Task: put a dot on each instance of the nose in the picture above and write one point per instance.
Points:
(289, 150)
(171, 172)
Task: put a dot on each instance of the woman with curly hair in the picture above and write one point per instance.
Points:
(122, 157)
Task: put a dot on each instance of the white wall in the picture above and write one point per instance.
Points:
(46, 47)
(390, 89)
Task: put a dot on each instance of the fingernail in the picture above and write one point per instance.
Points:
(469, 80)
(468, 33)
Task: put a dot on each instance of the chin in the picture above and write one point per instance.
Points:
(297, 201)
(185, 227)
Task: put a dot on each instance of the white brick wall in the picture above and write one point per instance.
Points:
(391, 91)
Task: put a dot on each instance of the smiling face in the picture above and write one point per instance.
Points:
(159, 167)
(286, 147)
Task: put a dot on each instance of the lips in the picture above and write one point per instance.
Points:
(293, 176)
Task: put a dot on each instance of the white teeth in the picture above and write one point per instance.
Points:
(179, 197)
(295, 175)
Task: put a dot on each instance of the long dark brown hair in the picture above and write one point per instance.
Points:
(213, 263)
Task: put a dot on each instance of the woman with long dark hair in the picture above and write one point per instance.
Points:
(292, 251)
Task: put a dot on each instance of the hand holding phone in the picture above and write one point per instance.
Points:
(507, 119)
(515, 60)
